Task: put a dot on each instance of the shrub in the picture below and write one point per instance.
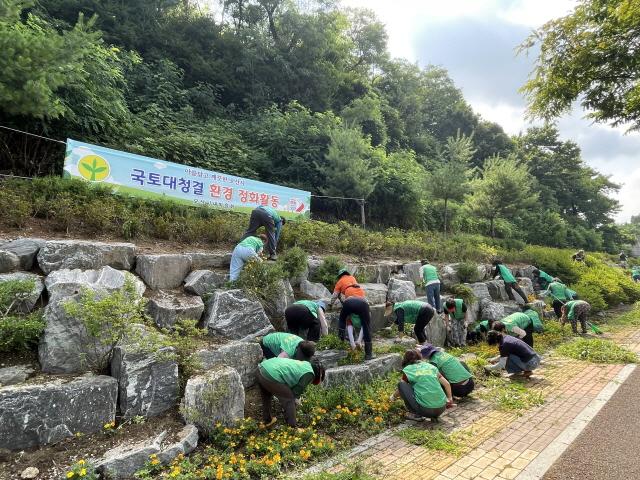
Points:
(293, 262)
(331, 342)
(596, 350)
(327, 272)
(262, 281)
(20, 332)
(13, 293)
(467, 272)
(16, 209)
(464, 292)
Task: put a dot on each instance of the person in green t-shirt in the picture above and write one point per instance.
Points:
(479, 331)
(455, 310)
(414, 312)
(287, 379)
(424, 390)
(559, 293)
(541, 279)
(456, 372)
(307, 315)
(431, 281)
(270, 219)
(248, 249)
(635, 274)
(286, 345)
(510, 283)
(574, 311)
(517, 324)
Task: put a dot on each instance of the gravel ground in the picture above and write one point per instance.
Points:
(609, 447)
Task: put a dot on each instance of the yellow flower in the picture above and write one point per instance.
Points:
(70, 474)
(81, 462)
(378, 419)
(83, 472)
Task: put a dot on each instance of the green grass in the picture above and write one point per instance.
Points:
(627, 319)
(510, 396)
(596, 350)
(331, 342)
(434, 439)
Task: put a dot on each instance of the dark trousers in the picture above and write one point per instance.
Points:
(509, 287)
(261, 218)
(268, 389)
(422, 320)
(298, 317)
(433, 296)
(266, 353)
(360, 307)
(462, 389)
(409, 398)
(557, 307)
(528, 338)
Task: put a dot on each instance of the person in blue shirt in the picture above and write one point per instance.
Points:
(272, 222)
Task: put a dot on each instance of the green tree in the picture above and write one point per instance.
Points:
(448, 181)
(590, 55)
(505, 188)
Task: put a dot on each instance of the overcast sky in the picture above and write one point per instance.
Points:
(475, 41)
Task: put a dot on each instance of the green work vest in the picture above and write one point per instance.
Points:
(546, 277)
(285, 370)
(558, 290)
(429, 273)
(571, 314)
(517, 319)
(252, 242)
(450, 367)
(423, 377)
(411, 309)
(506, 274)
(458, 314)
(282, 342)
(484, 324)
(312, 306)
(535, 320)
(356, 321)
(635, 271)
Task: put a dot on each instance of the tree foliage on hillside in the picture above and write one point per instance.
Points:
(299, 93)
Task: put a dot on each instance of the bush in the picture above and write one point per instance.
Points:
(293, 262)
(262, 281)
(467, 272)
(464, 292)
(16, 209)
(327, 272)
(20, 332)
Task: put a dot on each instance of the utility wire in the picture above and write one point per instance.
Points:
(33, 134)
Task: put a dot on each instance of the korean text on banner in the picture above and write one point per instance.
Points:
(146, 177)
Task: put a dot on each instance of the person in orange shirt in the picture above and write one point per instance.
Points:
(347, 286)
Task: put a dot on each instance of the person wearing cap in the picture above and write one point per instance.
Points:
(510, 283)
(270, 219)
(416, 313)
(541, 279)
(455, 310)
(346, 286)
(248, 249)
(517, 324)
(559, 293)
(357, 306)
(456, 372)
(287, 345)
(574, 311)
(479, 331)
(307, 315)
(423, 389)
(431, 281)
(287, 379)
(515, 356)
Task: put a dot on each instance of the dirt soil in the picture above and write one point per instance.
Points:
(53, 460)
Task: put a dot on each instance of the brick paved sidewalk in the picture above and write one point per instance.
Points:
(498, 445)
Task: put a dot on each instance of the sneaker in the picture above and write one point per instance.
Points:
(527, 373)
(413, 417)
(271, 422)
(273, 257)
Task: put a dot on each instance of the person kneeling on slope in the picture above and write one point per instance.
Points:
(574, 311)
(422, 388)
(357, 306)
(456, 372)
(286, 379)
(515, 355)
(287, 345)
(413, 312)
(309, 315)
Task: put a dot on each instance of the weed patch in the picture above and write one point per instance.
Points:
(510, 396)
(596, 350)
(434, 439)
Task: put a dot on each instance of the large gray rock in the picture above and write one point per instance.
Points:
(497, 290)
(362, 373)
(376, 273)
(491, 311)
(15, 374)
(163, 271)
(436, 331)
(243, 357)
(511, 307)
(412, 271)
(401, 290)
(217, 396)
(378, 318)
(330, 358)
(167, 308)
(208, 260)
(147, 382)
(64, 283)
(314, 290)
(204, 282)
(526, 271)
(449, 274)
(185, 444)
(123, 461)
(480, 290)
(313, 263)
(85, 255)
(66, 346)
(9, 262)
(284, 299)
(34, 415)
(376, 292)
(28, 301)
(25, 249)
(231, 314)
(527, 286)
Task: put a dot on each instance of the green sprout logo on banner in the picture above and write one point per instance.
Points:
(94, 168)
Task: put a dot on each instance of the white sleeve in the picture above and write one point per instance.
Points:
(324, 328)
(519, 332)
(350, 333)
(502, 363)
(360, 336)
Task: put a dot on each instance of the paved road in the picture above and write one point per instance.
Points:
(609, 447)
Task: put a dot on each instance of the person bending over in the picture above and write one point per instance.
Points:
(456, 372)
(287, 345)
(510, 283)
(416, 313)
(307, 315)
(576, 311)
